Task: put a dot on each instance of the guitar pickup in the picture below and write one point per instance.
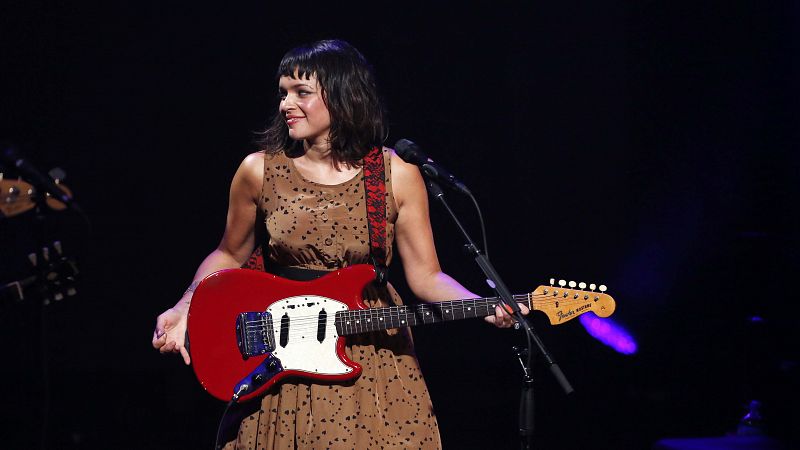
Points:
(254, 333)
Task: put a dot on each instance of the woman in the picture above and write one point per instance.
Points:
(307, 182)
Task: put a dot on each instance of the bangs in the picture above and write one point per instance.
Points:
(303, 62)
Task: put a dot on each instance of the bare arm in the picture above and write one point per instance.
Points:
(233, 250)
(416, 245)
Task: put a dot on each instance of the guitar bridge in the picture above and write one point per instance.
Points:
(254, 333)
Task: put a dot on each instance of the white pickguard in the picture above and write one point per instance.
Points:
(304, 352)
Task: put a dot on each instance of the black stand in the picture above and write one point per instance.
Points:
(526, 402)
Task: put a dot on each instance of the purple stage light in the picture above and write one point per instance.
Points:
(609, 333)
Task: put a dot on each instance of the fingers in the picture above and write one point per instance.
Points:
(159, 339)
(169, 347)
(185, 354)
(502, 319)
(159, 336)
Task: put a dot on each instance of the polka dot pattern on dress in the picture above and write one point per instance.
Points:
(324, 227)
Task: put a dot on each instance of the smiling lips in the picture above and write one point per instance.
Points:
(291, 120)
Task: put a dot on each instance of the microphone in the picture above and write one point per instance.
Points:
(411, 153)
(26, 170)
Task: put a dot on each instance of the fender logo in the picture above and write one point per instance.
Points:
(568, 315)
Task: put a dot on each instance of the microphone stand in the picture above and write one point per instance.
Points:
(511, 306)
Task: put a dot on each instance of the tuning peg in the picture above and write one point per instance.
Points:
(603, 288)
(562, 283)
(71, 291)
(13, 193)
(46, 253)
(572, 284)
(57, 246)
(57, 174)
(582, 285)
(552, 281)
(592, 286)
(32, 258)
(58, 297)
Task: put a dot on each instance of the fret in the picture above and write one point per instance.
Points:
(349, 321)
(375, 319)
(425, 313)
(382, 319)
(366, 319)
(411, 319)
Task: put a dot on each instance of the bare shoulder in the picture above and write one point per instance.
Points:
(406, 180)
(250, 174)
(253, 166)
(254, 161)
(402, 170)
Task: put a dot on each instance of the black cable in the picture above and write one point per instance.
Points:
(242, 389)
(483, 226)
(218, 444)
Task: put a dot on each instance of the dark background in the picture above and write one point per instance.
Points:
(650, 146)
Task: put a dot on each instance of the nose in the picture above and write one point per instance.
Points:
(287, 104)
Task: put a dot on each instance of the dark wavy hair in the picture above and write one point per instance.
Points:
(350, 93)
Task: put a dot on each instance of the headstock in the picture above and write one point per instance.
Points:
(52, 278)
(569, 300)
(18, 196)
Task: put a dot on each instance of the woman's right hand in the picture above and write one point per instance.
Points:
(170, 333)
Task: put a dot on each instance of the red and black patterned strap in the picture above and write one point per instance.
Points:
(375, 196)
(256, 260)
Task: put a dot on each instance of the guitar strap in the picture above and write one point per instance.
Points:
(375, 199)
(375, 196)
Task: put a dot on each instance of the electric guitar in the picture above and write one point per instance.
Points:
(249, 330)
(17, 197)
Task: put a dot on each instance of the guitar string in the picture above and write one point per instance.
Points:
(459, 305)
(354, 328)
(362, 318)
(412, 310)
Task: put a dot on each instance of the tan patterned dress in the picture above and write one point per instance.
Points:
(324, 227)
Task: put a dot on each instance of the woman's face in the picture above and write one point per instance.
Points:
(304, 110)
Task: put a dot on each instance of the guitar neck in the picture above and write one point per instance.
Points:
(374, 319)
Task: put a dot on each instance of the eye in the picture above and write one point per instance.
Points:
(303, 93)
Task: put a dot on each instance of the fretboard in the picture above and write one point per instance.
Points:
(374, 319)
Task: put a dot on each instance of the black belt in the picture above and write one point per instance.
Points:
(296, 273)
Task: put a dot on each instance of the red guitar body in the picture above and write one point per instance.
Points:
(255, 328)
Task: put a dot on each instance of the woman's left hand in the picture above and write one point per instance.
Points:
(502, 319)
